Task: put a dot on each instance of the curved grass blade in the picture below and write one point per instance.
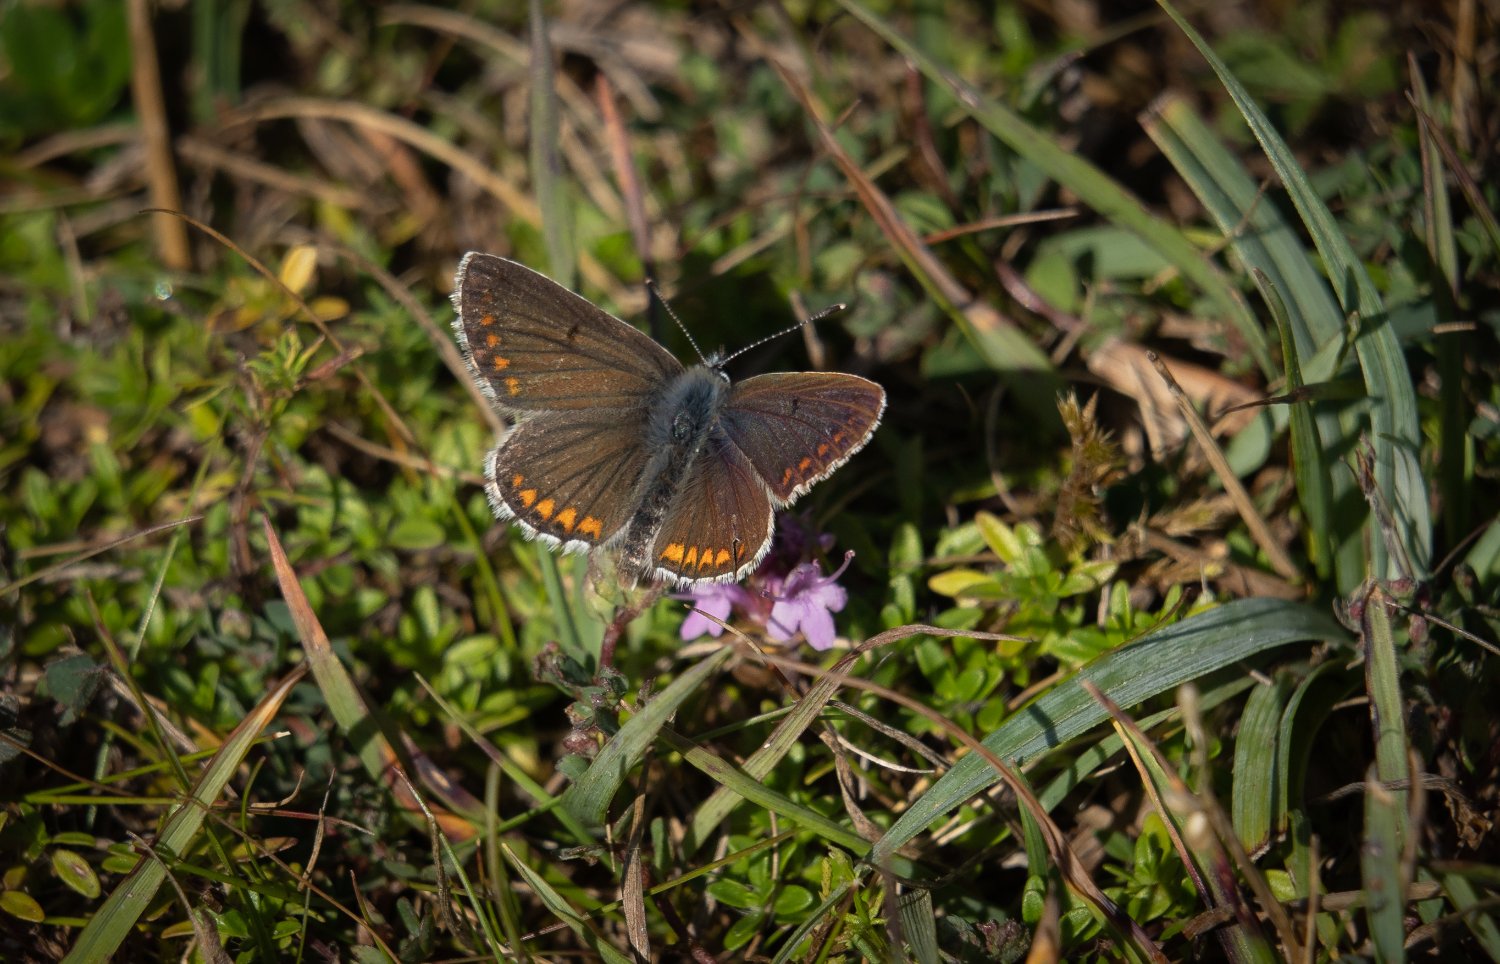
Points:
(1093, 186)
(558, 904)
(1157, 663)
(1251, 224)
(102, 936)
(1284, 269)
(743, 785)
(789, 731)
(1395, 433)
(588, 799)
(1454, 472)
(1081, 764)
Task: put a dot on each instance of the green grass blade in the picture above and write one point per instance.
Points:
(764, 759)
(1442, 250)
(1394, 431)
(1252, 225)
(1387, 708)
(1380, 866)
(742, 784)
(1318, 485)
(565, 912)
(588, 799)
(346, 704)
(1259, 779)
(919, 924)
(546, 160)
(1086, 762)
(817, 917)
(1270, 248)
(1468, 902)
(1158, 663)
(1093, 186)
(108, 927)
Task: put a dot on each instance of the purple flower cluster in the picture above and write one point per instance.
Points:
(786, 595)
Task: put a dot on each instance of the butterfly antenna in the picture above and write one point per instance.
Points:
(809, 320)
(656, 293)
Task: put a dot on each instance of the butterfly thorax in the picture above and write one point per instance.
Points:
(682, 420)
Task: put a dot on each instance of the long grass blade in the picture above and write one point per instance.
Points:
(1093, 186)
(1157, 663)
(1395, 433)
(110, 924)
(588, 799)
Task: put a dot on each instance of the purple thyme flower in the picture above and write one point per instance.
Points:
(806, 604)
(784, 595)
(716, 599)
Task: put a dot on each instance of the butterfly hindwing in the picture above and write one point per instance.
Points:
(535, 346)
(718, 526)
(797, 427)
(568, 477)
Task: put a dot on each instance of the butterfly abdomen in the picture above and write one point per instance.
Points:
(677, 429)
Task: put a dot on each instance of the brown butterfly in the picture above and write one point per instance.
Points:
(618, 446)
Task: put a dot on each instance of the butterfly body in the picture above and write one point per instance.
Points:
(618, 447)
(680, 424)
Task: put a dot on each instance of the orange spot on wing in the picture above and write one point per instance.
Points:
(487, 320)
(822, 449)
(544, 508)
(786, 477)
(590, 526)
(512, 385)
(528, 496)
(721, 558)
(565, 518)
(492, 339)
(739, 549)
(673, 552)
(801, 466)
(707, 559)
(501, 364)
(691, 559)
(516, 480)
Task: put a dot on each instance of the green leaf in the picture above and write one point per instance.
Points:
(558, 904)
(735, 894)
(963, 582)
(20, 904)
(74, 871)
(1157, 663)
(1380, 864)
(73, 681)
(416, 534)
(793, 900)
(1007, 543)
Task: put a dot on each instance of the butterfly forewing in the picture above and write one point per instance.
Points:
(797, 427)
(718, 528)
(535, 346)
(568, 477)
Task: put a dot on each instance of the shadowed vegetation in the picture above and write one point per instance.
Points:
(1157, 621)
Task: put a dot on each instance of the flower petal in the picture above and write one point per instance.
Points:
(817, 626)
